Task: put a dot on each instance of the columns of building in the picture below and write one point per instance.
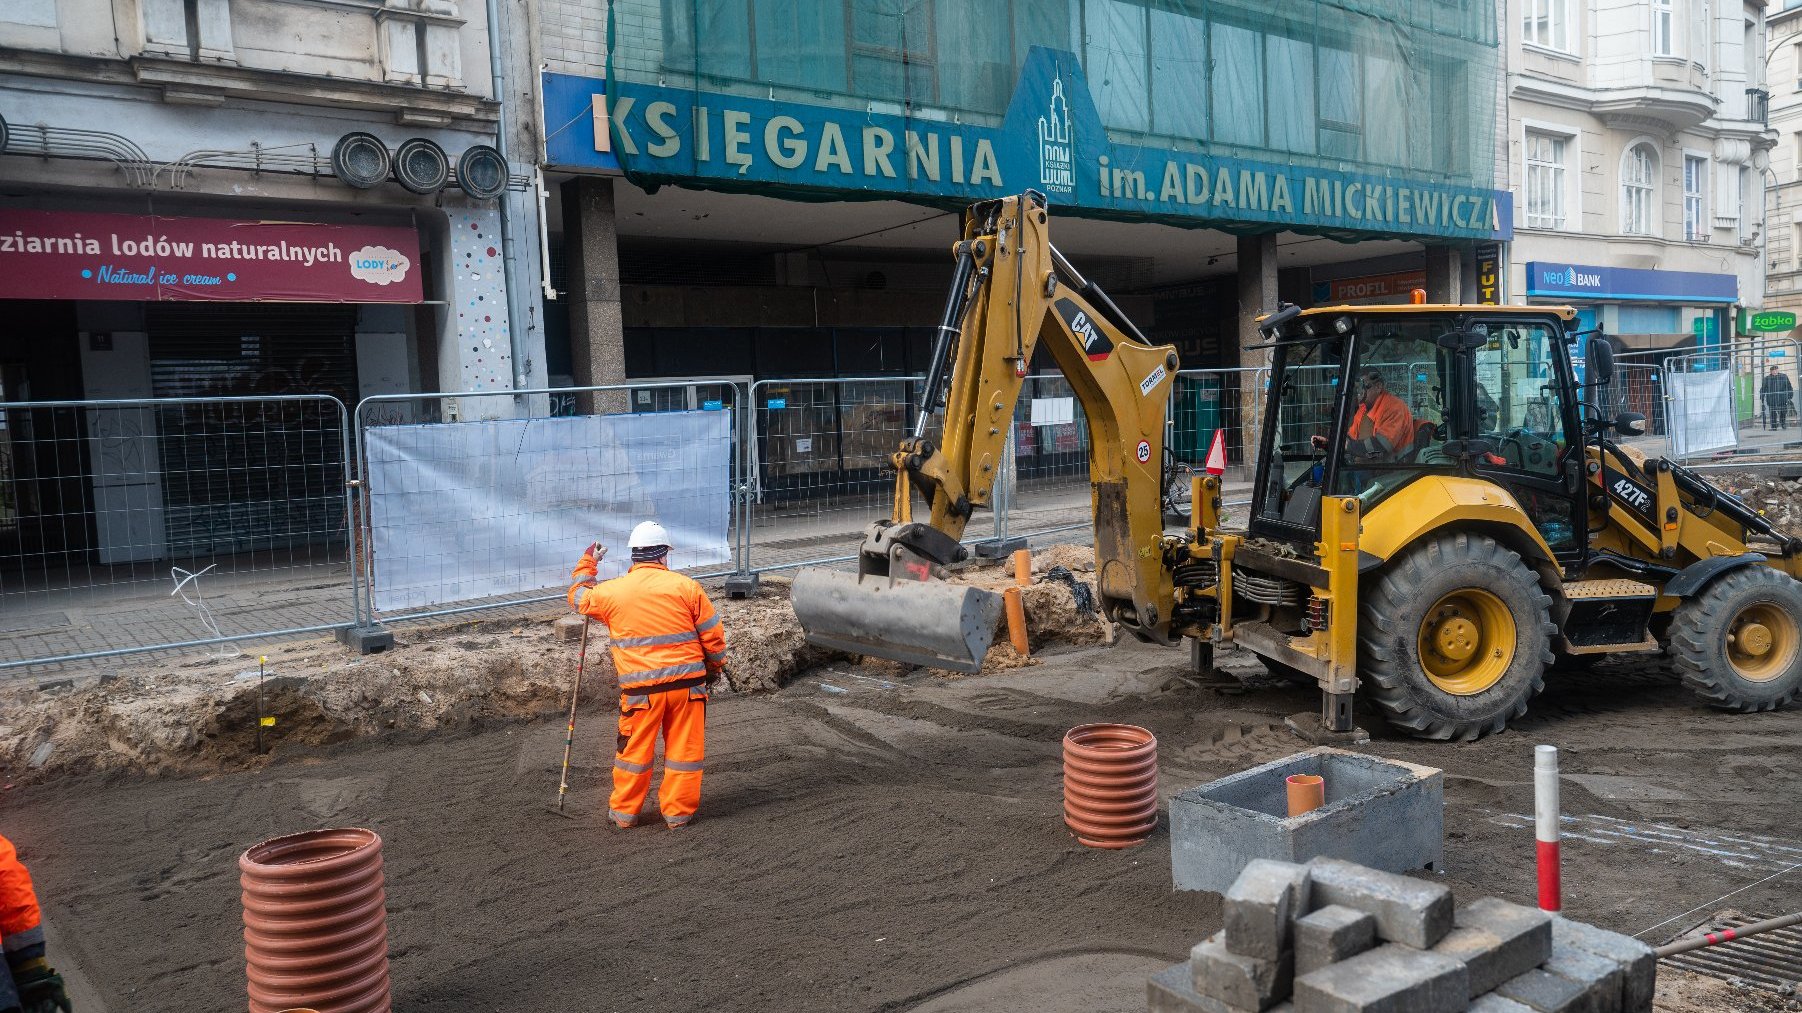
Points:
(1257, 295)
(597, 343)
(1445, 274)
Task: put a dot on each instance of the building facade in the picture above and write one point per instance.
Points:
(770, 189)
(1783, 204)
(248, 198)
(1637, 151)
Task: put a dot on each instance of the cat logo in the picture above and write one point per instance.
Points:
(1095, 344)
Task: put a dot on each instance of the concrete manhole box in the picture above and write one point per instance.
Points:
(1381, 813)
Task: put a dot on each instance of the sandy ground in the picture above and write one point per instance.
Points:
(872, 841)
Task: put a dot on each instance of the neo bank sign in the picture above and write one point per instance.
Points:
(1051, 139)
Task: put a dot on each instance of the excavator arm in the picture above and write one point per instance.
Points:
(1011, 290)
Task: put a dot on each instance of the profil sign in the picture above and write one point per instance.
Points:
(152, 258)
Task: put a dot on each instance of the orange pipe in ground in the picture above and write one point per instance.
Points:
(1307, 792)
(1016, 621)
(1023, 567)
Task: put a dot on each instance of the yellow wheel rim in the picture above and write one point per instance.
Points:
(1762, 641)
(1466, 641)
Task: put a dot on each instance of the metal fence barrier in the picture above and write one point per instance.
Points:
(574, 472)
(1733, 400)
(170, 522)
(138, 525)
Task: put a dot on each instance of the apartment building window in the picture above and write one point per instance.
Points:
(1664, 17)
(1695, 176)
(1639, 191)
(1547, 23)
(1545, 180)
(1746, 197)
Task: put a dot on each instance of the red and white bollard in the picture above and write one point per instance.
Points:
(1545, 826)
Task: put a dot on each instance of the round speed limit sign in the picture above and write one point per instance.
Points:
(1144, 451)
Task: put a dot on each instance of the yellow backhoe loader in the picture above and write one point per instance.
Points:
(1440, 509)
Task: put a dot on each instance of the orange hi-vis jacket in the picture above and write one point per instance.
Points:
(665, 634)
(21, 924)
(1390, 421)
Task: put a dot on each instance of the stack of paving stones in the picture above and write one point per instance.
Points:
(1335, 937)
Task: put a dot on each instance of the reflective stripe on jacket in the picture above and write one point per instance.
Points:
(21, 924)
(661, 625)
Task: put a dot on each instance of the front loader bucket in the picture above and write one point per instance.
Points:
(929, 623)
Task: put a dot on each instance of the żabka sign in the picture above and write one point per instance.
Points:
(77, 255)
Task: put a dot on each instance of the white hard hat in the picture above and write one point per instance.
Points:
(646, 535)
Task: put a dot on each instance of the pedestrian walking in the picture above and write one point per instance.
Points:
(1778, 395)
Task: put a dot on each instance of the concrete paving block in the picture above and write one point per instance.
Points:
(1599, 974)
(1639, 968)
(1332, 934)
(1262, 904)
(1407, 911)
(1388, 979)
(1493, 1003)
(1547, 993)
(1244, 983)
(568, 628)
(1497, 941)
(1171, 991)
(1382, 813)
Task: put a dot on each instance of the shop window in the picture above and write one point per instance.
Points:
(1647, 320)
(1695, 174)
(1546, 186)
(1179, 75)
(1546, 23)
(1340, 102)
(892, 51)
(1115, 58)
(983, 78)
(1639, 191)
(1289, 67)
(1236, 85)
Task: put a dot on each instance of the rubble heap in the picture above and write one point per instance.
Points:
(1335, 937)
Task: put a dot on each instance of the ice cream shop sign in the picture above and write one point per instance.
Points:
(154, 258)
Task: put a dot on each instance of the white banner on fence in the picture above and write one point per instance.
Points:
(469, 510)
(1701, 415)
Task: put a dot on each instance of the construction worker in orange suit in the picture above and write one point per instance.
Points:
(667, 648)
(27, 983)
(1383, 428)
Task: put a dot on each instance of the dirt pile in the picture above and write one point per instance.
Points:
(169, 715)
(1779, 499)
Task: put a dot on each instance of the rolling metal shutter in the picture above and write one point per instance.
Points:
(263, 476)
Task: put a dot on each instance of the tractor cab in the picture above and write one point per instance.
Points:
(1365, 400)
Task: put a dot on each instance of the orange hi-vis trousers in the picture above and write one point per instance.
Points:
(680, 716)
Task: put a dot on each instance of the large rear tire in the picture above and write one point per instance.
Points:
(1738, 644)
(1454, 638)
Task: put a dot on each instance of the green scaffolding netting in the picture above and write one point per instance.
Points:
(1355, 119)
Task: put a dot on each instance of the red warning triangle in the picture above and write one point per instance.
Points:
(1217, 454)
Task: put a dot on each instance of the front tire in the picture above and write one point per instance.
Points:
(1738, 644)
(1454, 638)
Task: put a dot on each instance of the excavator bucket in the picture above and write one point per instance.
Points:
(918, 622)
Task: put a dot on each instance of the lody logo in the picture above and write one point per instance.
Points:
(379, 265)
(1057, 158)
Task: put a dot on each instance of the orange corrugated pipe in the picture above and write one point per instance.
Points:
(1016, 621)
(315, 923)
(1307, 792)
(1110, 784)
